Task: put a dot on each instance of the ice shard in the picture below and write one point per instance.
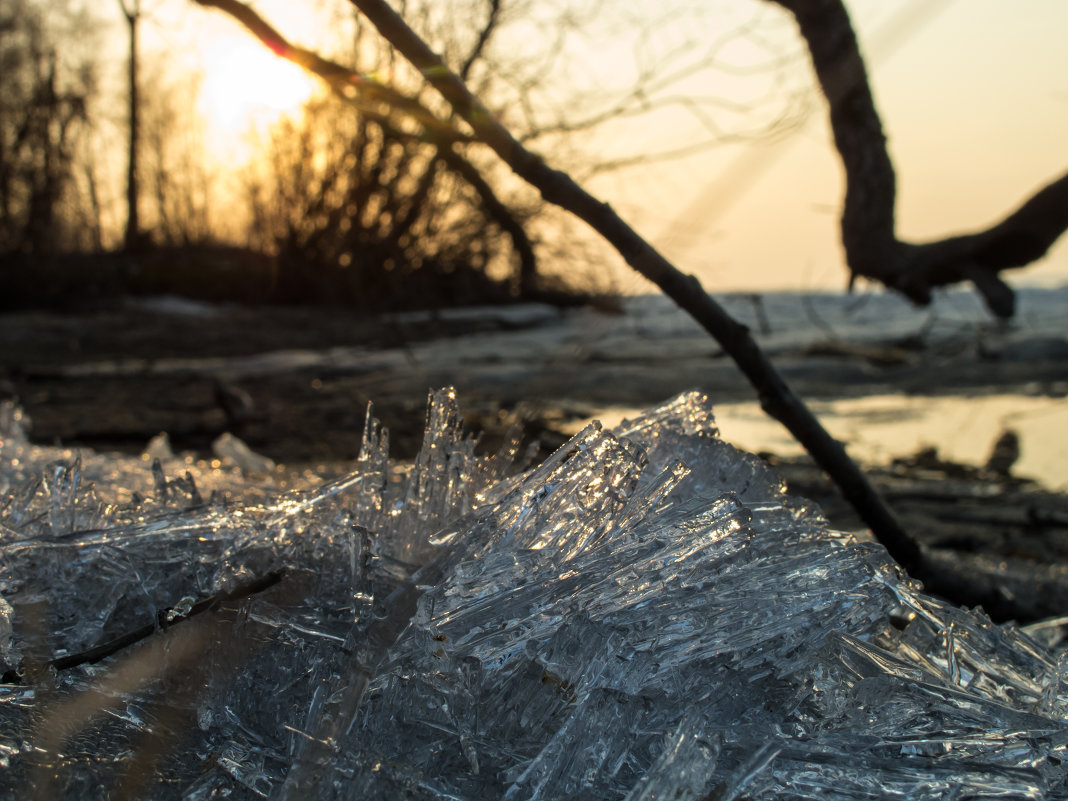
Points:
(644, 615)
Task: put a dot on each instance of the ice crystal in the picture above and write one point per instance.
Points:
(644, 615)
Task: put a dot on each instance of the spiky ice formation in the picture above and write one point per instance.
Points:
(644, 615)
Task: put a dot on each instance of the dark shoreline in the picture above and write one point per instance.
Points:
(111, 380)
(294, 384)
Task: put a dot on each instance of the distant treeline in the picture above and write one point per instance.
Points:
(343, 206)
(220, 273)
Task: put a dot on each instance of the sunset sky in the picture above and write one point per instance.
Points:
(974, 99)
(975, 106)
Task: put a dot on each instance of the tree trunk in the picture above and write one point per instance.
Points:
(133, 224)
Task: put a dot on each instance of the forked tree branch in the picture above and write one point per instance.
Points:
(559, 188)
(871, 246)
(776, 398)
(492, 21)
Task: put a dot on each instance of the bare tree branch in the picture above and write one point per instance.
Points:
(484, 36)
(558, 188)
(868, 232)
(347, 82)
(777, 399)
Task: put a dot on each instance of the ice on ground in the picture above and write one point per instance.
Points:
(645, 615)
(236, 453)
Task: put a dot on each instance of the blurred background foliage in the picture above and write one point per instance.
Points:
(330, 201)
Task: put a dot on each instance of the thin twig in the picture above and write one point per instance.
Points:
(165, 618)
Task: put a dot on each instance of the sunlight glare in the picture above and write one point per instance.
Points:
(246, 86)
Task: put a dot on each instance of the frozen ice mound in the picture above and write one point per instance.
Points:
(645, 615)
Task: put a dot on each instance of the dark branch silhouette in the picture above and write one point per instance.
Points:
(868, 234)
(165, 618)
(492, 19)
(776, 397)
(557, 187)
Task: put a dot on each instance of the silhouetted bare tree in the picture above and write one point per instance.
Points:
(179, 187)
(55, 129)
(354, 190)
(131, 10)
(519, 73)
(44, 97)
(357, 208)
(868, 232)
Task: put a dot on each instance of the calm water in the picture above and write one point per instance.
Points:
(881, 427)
(878, 428)
(787, 319)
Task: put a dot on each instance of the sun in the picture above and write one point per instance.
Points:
(246, 85)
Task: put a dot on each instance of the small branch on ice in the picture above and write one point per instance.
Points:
(164, 620)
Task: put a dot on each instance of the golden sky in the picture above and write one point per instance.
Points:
(975, 107)
(974, 99)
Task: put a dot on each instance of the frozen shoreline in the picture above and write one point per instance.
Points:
(115, 379)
